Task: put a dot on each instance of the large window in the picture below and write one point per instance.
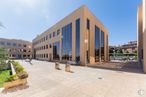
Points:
(67, 42)
(78, 40)
(8, 44)
(14, 44)
(2, 43)
(97, 41)
(56, 51)
(102, 46)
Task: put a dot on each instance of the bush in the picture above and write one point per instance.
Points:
(3, 65)
(11, 78)
(23, 75)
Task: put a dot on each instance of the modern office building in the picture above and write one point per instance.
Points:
(17, 49)
(141, 29)
(79, 37)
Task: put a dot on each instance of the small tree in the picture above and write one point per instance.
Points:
(3, 54)
(3, 58)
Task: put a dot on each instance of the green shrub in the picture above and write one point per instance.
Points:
(4, 66)
(11, 78)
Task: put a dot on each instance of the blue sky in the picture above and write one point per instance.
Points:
(25, 19)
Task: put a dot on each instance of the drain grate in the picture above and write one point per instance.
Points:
(100, 78)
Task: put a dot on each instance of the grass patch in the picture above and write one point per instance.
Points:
(4, 75)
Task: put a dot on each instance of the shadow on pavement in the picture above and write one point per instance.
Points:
(120, 67)
(15, 89)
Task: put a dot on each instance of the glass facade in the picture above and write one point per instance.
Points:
(56, 51)
(67, 42)
(97, 41)
(78, 40)
(102, 46)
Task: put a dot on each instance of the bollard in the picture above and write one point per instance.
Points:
(67, 68)
(57, 66)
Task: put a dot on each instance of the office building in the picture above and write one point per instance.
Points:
(79, 37)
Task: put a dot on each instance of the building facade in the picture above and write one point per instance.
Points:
(18, 49)
(79, 37)
(141, 29)
(130, 47)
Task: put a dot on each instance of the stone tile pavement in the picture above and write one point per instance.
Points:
(45, 81)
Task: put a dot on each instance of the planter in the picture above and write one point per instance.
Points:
(17, 82)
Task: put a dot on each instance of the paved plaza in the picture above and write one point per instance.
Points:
(45, 81)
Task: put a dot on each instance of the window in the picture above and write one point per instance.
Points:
(78, 40)
(24, 45)
(24, 50)
(67, 42)
(14, 44)
(102, 46)
(46, 46)
(58, 31)
(46, 55)
(19, 45)
(47, 37)
(56, 51)
(97, 41)
(50, 35)
(50, 46)
(2, 43)
(53, 34)
(8, 44)
(88, 24)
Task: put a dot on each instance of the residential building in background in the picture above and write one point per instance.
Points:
(18, 49)
(130, 47)
(127, 48)
(79, 37)
(141, 29)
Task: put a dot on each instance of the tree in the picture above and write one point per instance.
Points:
(3, 58)
(3, 55)
(120, 51)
